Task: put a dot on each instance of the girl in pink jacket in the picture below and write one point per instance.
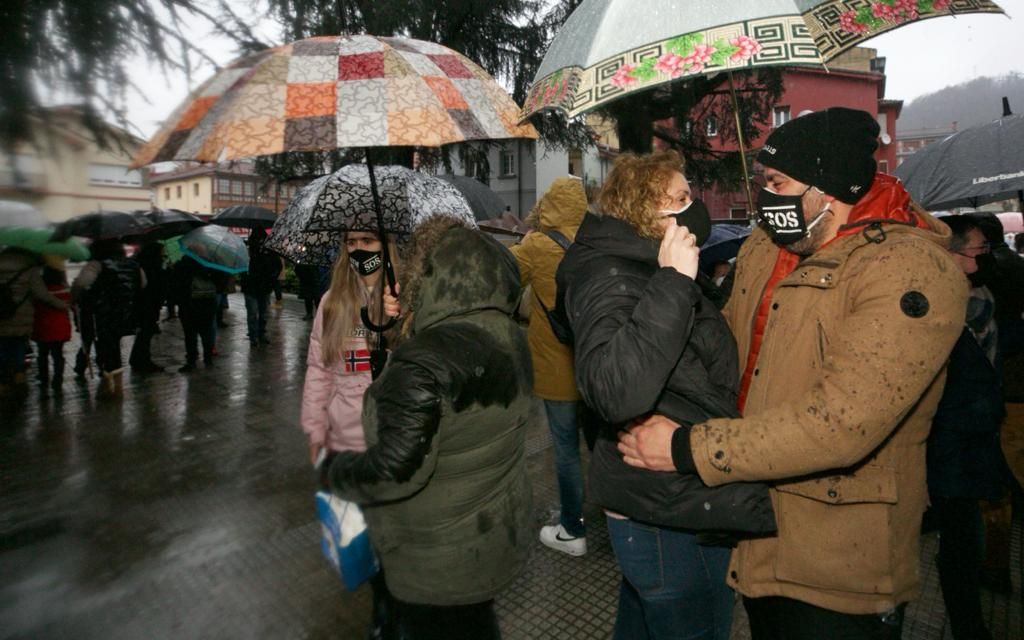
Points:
(338, 362)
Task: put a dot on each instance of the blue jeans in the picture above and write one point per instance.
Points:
(256, 315)
(565, 436)
(672, 588)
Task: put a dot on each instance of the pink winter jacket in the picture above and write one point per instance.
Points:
(332, 398)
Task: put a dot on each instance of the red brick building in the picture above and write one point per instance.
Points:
(855, 80)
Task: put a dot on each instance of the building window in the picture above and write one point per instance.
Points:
(711, 126)
(167, 193)
(738, 213)
(223, 186)
(508, 162)
(113, 175)
(250, 189)
(780, 116)
(177, 192)
(883, 166)
(236, 187)
(195, 188)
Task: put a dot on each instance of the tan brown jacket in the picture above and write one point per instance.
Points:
(848, 377)
(561, 208)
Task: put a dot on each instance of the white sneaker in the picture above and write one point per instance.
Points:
(554, 536)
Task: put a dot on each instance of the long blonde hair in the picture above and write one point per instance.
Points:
(635, 186)
(343, 301)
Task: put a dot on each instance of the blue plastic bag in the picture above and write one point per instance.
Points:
(344, 540)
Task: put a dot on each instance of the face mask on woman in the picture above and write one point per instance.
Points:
(694, 216)
(365, 262)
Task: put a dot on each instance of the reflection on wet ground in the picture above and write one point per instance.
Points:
(186, 511)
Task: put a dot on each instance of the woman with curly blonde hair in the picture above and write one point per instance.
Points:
(647, 340)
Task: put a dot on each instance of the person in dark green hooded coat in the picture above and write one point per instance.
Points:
(443, 480)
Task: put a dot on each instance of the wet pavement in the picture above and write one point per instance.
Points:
(185, 510)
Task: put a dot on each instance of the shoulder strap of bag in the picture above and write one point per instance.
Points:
(558, 237)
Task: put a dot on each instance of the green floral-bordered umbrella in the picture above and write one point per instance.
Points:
(611, 48)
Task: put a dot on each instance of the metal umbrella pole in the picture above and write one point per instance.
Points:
(379, 354)
(743, 149)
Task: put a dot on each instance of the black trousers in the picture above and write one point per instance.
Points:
(961, 553)
(108, 350)
(197, 318)
(776, 618)
(48, 351)
(428, 622)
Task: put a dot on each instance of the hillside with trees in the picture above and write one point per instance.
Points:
(967, 104)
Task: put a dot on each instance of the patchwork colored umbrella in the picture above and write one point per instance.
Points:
(313, 225)
(217, 248)
(337, 91)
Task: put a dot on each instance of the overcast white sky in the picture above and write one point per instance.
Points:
(920, 58)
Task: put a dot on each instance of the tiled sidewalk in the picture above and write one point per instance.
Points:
(185, 511)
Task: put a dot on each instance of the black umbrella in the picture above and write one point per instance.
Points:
(722, 244)
(245, 215)
(168, 223)
(970, 168)
(105, 225)
(485, 203)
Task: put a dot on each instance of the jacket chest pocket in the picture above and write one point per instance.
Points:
(821, 343)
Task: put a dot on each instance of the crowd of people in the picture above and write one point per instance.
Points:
(766, 435)
(776, 432)
(115, 296)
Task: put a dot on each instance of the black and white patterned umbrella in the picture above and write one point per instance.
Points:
(310, 229)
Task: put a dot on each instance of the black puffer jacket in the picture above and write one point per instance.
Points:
(646, 340)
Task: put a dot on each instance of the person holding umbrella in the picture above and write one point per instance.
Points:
(52, 327)
(338, 361)
(107, 288)
(257, 284)
(20, 284)
(151, 300)
(443, 481)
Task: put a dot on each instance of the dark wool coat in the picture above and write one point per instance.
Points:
(646, 340)
(443, 480)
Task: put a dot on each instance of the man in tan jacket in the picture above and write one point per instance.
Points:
(845, 307)
(553, 223)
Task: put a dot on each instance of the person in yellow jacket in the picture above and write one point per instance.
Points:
(553, 223)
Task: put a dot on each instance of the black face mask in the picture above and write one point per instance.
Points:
(365, 262)
(695, 217)
(987, 270)
(782, 216)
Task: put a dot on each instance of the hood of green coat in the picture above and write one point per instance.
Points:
(460, 271)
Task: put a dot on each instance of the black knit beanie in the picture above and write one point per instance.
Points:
(832, 150)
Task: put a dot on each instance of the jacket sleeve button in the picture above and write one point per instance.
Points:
(734, 575)
(832, 493)
(775, 305)
(757, 372)
(719, 455)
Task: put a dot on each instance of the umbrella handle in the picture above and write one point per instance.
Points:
(364, 313)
